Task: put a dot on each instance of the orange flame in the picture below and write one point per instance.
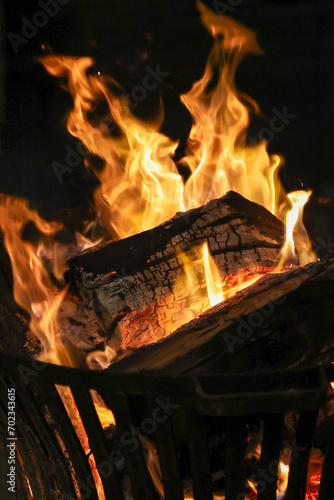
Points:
(283, 476)
(36, 294)
(199, 282)
(294, 224)
(212, 278)
(217, 157)
(140, 182)
(33, 288)
(74, 415)
(101, 360)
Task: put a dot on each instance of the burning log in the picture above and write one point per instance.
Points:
(130, 283)
(280, 321)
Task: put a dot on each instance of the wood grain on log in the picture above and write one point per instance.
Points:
(280, 321)
(129, 283)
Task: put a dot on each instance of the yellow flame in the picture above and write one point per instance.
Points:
(153, 466)
(212, 277)
(33, 288)
(198, 286)
(303, 254)
(252, 486)
(283, 476)
(101, 359)
(35, 293)
(217, 155)
(140, 183)
(74, 415)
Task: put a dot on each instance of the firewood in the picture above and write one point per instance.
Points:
(129, 283)
(13, 331)
(280, 321)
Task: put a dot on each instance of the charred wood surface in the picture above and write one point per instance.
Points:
(13, 331)
(280, 321)
(79, 332)
(129, 283)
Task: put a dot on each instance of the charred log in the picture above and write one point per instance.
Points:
(281, 321)
(129, 283)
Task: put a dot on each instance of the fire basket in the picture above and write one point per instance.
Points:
(159, 267)
(178, 414)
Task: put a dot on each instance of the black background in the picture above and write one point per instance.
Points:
(296, 72)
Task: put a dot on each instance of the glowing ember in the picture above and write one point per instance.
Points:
(314, 474)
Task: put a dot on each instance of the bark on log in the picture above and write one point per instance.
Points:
(280, 321)
(129, 283)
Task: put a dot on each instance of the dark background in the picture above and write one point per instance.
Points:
(296, 72)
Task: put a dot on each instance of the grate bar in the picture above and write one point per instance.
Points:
(270, 452)
(301, 455)
(235, 446)
(199, 456)
(167, 453)
(97, 441)
(326, 489)
(70, 439)
(34, 440)
(142, 489)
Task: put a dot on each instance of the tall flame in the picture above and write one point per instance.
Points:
(36, 294)
(33, 288)
(217, 156)
(297, 250)
(212, 278)
(140, 183)
(199, 282)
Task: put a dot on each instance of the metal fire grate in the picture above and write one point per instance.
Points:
(176, 410)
